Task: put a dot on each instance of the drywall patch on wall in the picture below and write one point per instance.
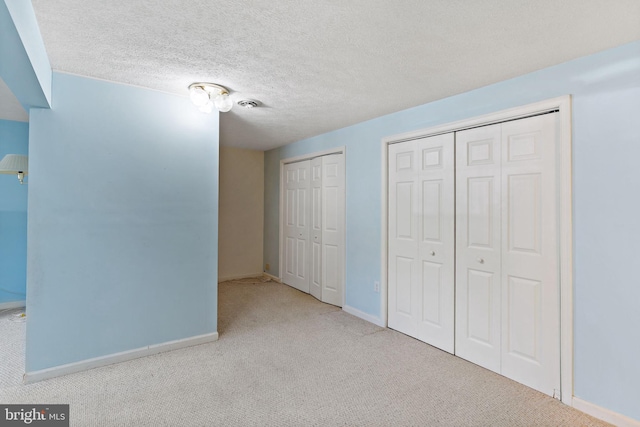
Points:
(123, 222)
(14, 139)
(241, 212)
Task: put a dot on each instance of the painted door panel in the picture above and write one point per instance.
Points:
(297, 187)
(530, 286)
(507, 288)
(316, 228)
(478, 216)
(333, 228)
(421, 240)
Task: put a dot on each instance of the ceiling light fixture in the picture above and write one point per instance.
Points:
(15, 164)
(207, 95)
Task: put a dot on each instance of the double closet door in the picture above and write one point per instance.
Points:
(473, 246)
(313, 219)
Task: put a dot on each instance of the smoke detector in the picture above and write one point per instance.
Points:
(249, 103)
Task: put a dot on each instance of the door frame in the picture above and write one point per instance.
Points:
(337, 150)
(565, 239)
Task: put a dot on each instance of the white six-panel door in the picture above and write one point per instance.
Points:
(530, 270)
(421, 240)
(332, 236)
(297, 189)
(507, 289)
(314, 227)
(478, 255)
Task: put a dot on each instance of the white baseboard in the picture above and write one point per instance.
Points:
(12, 304)
(272, 277)
(604, 414)
(361, 314)
(239, 276)
(83, 365)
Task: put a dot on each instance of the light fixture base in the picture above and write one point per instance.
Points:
(211, 88)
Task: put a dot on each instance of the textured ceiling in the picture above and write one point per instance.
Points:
(324, 64)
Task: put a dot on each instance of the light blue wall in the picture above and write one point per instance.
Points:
(606, 146)
(24, 65)
(14, 139)
(122, 227)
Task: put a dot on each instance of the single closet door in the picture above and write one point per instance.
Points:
(332, 229)
(316, 228)
(507, 289)
(530, 264)
(421, 239)
(297, 201)
(478, 254)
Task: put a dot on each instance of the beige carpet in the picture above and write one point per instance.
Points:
(285, 359)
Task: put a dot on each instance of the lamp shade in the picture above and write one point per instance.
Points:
(14, 163)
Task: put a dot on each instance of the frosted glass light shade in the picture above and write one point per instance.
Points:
(223, 102)
(199, 96)
(14, 163)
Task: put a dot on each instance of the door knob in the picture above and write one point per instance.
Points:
(480, 260)
(432, 253)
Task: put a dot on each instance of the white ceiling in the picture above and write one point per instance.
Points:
(319, 65)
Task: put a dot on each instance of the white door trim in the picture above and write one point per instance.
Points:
(563, 105)
(336, 150)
